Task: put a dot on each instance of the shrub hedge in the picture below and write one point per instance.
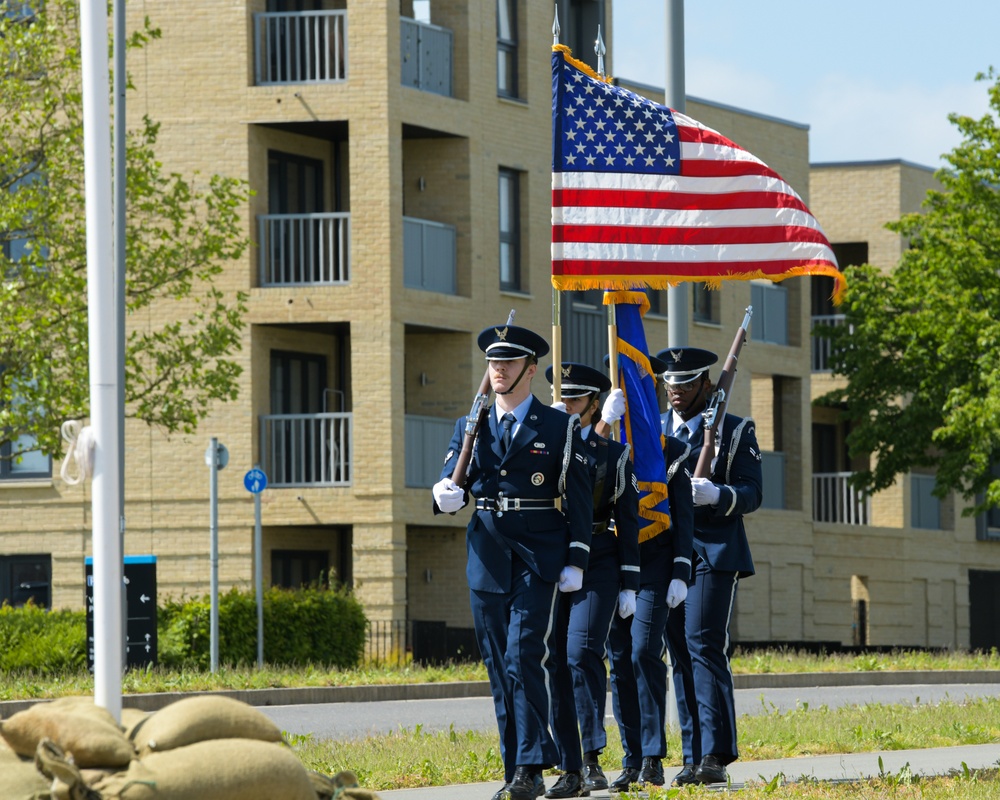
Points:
(301, 626)
(46, 642)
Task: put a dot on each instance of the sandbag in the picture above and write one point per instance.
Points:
(201, 718)
(76, 725)
(19, 780)
(215, 769)
(132, 719)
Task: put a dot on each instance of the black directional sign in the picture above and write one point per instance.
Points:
(140, 611)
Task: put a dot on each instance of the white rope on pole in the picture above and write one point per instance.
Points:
(79, 450)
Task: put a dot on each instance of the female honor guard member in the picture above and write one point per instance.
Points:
(699, 636)
(521, 549)
(636, 646)
(610, 582)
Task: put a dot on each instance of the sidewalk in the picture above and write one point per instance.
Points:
(932, 761)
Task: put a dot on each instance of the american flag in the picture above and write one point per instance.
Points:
(644, 196)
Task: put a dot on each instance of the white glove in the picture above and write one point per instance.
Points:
(570, 579)
(704, 492)
(677, 593)
(614, 407)
(448, 495)
(559, 405)
(626, 603)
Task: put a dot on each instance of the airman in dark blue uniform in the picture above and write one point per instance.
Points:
(610, 583)
(522, 549)
(699, 636)
(637, 645)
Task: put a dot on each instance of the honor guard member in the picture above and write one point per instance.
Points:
(522, 549)
(610, 583)
(699, 636)
(637, 645)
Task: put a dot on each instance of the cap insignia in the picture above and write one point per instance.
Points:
(566, 371)
(501, 334)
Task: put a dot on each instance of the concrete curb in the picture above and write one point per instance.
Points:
(458, 689)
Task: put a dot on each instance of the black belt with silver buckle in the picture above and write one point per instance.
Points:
(599, 527)
(512, 504)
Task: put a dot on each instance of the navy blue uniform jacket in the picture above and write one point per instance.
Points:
(719, 535)
(545, 460)
(616, 496)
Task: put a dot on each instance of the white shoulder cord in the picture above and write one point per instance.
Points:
(80, 448)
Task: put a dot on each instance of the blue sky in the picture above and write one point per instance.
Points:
(872, 80)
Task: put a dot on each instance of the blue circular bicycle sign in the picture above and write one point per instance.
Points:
(255, 481)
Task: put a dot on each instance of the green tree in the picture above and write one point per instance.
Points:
(180, 233)
(920, 351)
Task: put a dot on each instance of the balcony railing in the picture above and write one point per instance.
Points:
(425, 56)
(835, 501)
(301, 249)
(429, 256)
(306, 449)
(300, 47)
(821, 345)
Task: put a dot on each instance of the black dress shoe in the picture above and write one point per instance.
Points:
(628, 778)
(527, 784)
(651, 772)
(594, 777)
(501, 792)
(685, 776)
(711, 770)
(570, 784)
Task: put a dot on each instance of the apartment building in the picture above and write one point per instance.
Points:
(400, 156)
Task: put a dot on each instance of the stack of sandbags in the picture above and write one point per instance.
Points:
(203, 747)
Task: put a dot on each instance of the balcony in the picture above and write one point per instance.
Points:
(835, 501)
(306, 449)
(429, 256)
(300, 47)
(426, 56)
(821, 346)
(304, 249)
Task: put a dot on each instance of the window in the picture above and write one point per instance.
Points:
(704, 307)
(510, 231)
(507, 48)
(770, 312)
(19, 460)
(292, 569)
(925, 508)
(988, 523)
(26, 577)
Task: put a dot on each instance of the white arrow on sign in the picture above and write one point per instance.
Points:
(144, 598)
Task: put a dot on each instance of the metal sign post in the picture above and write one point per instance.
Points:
(255, 482)
(216, 456)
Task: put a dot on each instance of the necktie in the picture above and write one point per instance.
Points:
(683, 433)
(508, 422)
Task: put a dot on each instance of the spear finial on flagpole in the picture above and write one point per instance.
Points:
(600, 50)
(555, 26)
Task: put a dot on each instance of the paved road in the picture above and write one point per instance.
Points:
(357, 720)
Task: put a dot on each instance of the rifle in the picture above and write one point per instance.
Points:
(715, 411)
(474, 421)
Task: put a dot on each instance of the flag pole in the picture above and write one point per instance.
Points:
(674, 97)
(611, 431)
(556, 328)
(556, 349)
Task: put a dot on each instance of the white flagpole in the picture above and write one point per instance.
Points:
(104, 413)
(673, 97)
